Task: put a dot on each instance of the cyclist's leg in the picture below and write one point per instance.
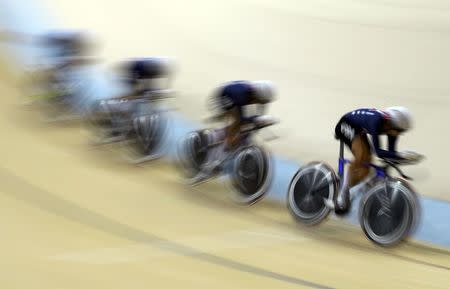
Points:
(356, 171)
(218, 136)
(345, 133)
(359, 169)
(233, 130)
(216, 140)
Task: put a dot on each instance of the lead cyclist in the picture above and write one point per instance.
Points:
(353, 129)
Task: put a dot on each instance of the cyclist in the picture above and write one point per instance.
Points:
(62, 47)
(140, 76)
(231, 100)
(54, 66)
(353, 129)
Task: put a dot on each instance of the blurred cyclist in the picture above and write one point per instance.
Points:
(67, 48)
(140, 77)
(64, 47)
(231, 101)
(59, 53)
(353, 129)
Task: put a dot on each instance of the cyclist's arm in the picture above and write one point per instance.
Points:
(389, 154)
(261, 109)
(392, 143)
(216, 105)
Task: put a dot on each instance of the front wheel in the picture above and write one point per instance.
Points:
(149, 131)
(389, 212)
(311, 185)
(251, 174)
(193, 153)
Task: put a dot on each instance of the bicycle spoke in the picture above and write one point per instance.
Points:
(324, 181)
(316, 172)
(307, 180)
(312, 181)
(395, 194)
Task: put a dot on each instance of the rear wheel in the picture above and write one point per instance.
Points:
(389, 212)
(311, 185)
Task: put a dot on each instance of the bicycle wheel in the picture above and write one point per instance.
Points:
(251, 174)
(389, 212)
(194, 152)
(310, 186)
(149, 132)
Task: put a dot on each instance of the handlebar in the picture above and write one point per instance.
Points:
(257, 126)
(253, 126)
(395, 163)
(158, 94)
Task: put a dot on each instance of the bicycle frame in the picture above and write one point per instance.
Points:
(380, 171)
(342, 160)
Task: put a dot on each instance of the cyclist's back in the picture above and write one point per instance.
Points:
(366, 120)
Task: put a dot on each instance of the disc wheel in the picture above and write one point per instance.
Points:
(194, 152)
(149, 132)
(251, 174)
(310, 186)
(389, 212)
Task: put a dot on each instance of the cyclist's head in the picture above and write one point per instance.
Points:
(81, 42)
(217, 105)
(167, 64)
(265, 91)
(137, 69)
(400, 118)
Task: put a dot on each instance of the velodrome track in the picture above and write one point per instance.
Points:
(74, 217)
(77, 217)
